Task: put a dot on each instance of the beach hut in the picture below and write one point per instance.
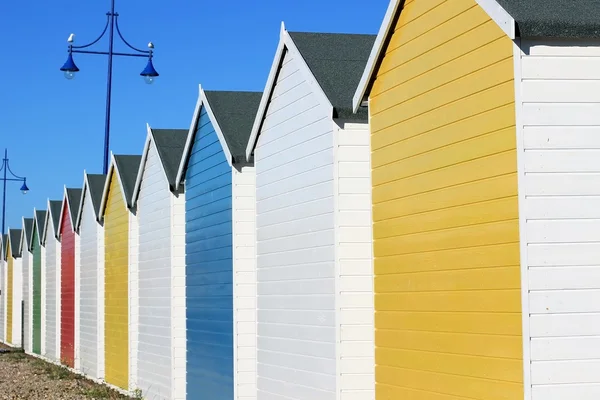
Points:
(90, 277)
(38, 277)
(14, 292)
(35, 269)
(314, 241)
(69, 209)
(51, 283)
(485, 157)
(26, 234)
(220, 268)
(120, 272)
(3, 242)
(160, 211)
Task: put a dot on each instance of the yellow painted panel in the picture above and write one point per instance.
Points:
(504, 301)
(472, 66)
(466, 193)
(478, 147)
(454, 343)
(116, 280)
(447, 265)
(474, 40)
(438, 12)
(9, 295)
(458, 322)
(486, 100)
(436, 37)
(497, 278)
(502, 369)
(408, 384)
(483, 123)
(457, 174)
(470, 214)
(496, 255)
(455, 238)
(418, 101)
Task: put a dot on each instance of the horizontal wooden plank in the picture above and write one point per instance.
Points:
(556, 67)
(580, 391)
(468, 236)
(505, 301)
(564, 278)
(563, 254)
(561, 137)
(564, 301)
(501, 255)
(451, 217)
(501, 346)
(561, 47)
(404, 383)
(565, 348)
(566, 372)
(560, 91)
(563, 231)
(546, 114)
(469, 279)
(556, 184)
(552, 325)
(510, 370)
(562, 207)
(563, 161)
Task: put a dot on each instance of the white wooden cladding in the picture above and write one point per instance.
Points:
(561, 134)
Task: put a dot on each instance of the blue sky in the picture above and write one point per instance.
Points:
(54, 128)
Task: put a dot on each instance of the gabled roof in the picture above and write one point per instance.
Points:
(232, 115)
(54, 207)
(15, 242)
(28, 231)
(127, 167)
(169, 144)
(94, 183)
(335, 60)
(40, 218)
(71, 199)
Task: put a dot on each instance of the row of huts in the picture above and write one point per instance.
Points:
(412, 215)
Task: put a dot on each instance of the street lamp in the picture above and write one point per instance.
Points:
(24, 189)
(70, 68)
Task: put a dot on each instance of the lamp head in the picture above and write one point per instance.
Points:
(149, 73)
(24, 188)
(69, 68)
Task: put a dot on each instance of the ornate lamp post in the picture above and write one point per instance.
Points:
(70, 68)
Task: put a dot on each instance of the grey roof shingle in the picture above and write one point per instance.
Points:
(337, 60)
(74, 198)
(555, 18)
(170, 144)
(55, 206)
(235, 113)
(28, 225)
(40, 217)
(40, 222)
(96, 187)
(128, 166)
(15, 241)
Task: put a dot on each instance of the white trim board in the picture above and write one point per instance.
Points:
(498, 14)
(62, 210)
(189, 143)
(285, 43)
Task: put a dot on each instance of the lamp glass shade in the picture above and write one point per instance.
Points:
(149, 70)
(69, 65)
(24, 188)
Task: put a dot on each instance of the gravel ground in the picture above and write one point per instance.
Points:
(27, 377)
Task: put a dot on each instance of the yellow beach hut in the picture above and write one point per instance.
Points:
(120, 271)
